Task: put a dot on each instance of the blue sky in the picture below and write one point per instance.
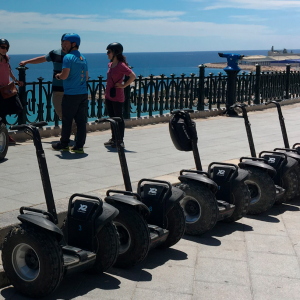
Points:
(35, 26)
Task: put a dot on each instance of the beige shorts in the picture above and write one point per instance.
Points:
(57, 99)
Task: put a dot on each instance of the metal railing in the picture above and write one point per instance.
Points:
(163, 94)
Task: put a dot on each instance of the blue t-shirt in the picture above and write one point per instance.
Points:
(75, 84)
(56, 56)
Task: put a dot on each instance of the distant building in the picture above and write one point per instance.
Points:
(274, 58)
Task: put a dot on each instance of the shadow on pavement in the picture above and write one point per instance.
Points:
(4, 160)
(69, 155)
(221, 229)
(71, 287)
(115, 150)
(154, 259)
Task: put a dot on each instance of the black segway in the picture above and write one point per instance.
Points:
(290, 152)
(221, 181)
(3, 140)
(36, 254)
(286, 178)
(150, 218)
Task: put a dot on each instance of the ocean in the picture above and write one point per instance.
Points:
(144, 64)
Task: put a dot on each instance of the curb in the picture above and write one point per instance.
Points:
(133, 122)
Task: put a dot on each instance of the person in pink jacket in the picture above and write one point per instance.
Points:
(114, 94)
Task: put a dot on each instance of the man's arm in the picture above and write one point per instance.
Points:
(36, 60)
(63, 75)
(87, 75)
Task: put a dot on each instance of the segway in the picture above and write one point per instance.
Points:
(295, 151)
(150, 218)
(286, 178)
(221, 181)
(3, 140)
(37, 254)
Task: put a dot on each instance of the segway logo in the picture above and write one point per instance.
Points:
(271, 160)
(82, 208)
(221, 173)
(152, 191)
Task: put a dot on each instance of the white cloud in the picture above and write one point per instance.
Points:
(152, 13)
(253, 4)
(249, 18)
(35, 22)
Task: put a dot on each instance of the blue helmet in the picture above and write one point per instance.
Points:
(72, 38)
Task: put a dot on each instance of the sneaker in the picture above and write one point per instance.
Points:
(11, 140)
(114, 145)
(109, 142)
(75, 149)
(59, 147)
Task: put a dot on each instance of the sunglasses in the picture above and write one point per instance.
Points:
(4, 47)
(108, 52)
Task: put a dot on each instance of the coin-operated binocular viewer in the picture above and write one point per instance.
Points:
(232, 70)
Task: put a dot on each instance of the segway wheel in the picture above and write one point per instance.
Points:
(107, 248)
(262, 190)
(134, 236)
(32, 260)
(176, 226)
(289, 181)
(3, 141)
(200, 208)
(241, 198)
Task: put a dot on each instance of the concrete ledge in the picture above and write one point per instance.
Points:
(133, 122)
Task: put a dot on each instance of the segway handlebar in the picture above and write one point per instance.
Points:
(127, 193)
(182, 110)
(40, 211)
(117, 119)
(277, 103)
(28, 126)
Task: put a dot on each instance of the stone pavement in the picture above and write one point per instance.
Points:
(254, 258)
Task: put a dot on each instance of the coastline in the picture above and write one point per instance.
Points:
(247, 67)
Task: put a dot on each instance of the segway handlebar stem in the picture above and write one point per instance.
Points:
(121, 152)
(281, 121)
(243, 106)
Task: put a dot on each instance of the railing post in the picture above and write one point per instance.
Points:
(126, 109)
(287, 83)
(257, 84)
(22, 95)
(200, 105)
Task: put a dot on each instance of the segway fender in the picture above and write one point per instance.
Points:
(108, 214)
(177, 195)
(291, 162)
(200, 179)
(42, 222)
(258, 164)
(242, 175)
(129, 200)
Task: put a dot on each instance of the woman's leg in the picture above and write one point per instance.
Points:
(111, 114)
(118, 112)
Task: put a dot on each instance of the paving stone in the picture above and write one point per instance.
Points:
(275, 288)
(274, 265)
(232, 250)
(207, 290)
(222, 271)
(147, 294)
(271, 244)
(168, 277)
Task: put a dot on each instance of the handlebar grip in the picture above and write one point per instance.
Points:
(39, 124)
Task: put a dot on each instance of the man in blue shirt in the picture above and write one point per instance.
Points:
(56, 57)
(74, 103)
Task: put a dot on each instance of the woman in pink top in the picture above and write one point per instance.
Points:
(7, 106)
(114, 94)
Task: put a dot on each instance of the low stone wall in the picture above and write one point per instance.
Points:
(133, 122)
